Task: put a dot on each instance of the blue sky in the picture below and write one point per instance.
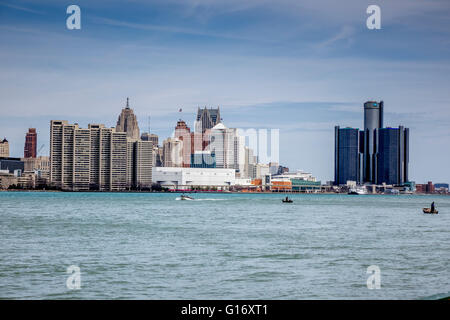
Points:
(299, 66)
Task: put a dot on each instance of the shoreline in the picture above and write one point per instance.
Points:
(230, 192)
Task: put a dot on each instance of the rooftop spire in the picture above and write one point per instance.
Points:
(128, 103)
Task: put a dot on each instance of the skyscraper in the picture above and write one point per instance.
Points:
(207, 119)
(172, 152)
(392, 155)
(30, 143)
(84, 159)
(385, 151)
(127, 122)
(347, 158)
(373, 119)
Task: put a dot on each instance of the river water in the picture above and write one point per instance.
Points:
(221, 246)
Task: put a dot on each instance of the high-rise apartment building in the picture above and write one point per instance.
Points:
(127, 122)
(30, 143)
(139, 163)
(348, 158)
(87, 159)
(392, 155)
(4, 148)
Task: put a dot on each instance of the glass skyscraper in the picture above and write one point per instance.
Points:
(347, 166)
(392, 155)
(376, 155)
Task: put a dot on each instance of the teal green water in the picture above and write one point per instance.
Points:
(222, 246)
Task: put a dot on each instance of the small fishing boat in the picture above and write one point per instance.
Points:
(287, 200)
(184, 197)
(428, 211)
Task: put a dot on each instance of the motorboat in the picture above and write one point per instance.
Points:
(428, 211)
(287, 200)
(185, 197)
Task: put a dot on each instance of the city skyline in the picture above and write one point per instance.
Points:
(313, 77)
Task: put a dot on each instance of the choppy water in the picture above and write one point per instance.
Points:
(222, 246)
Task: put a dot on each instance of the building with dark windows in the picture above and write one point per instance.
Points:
(373, 119)
(348, 158)
(203, 159)
(376, 155)
(392, 156)
(11, 164)
(30, 144)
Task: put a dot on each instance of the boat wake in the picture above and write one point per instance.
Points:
(179, 198)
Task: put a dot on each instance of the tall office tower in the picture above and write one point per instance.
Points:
(373, 119)
(239, 154)
(250, 163)
(30, 143)
(127, 122)
(183, 133)
(150, 137)
(347, 156)
(4, 148)
(207, 119)
(83, 159)
(392, 155)
(172, 152)
(228, 147)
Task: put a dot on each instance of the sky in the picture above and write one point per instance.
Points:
(298, 66)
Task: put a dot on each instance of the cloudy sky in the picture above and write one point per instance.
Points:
(295, 65)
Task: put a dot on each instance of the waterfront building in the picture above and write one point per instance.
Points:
(348, 158)
(172, 152)
(84, 159)
(141, 164)
(41, 165)
(188, 178)
(373, 119)
(384, 151)
(4, 148)
(207, 119)
(392, 155)
(150, 137)
(127, 122)
(30, 143)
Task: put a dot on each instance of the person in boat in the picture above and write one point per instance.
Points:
(432, 207)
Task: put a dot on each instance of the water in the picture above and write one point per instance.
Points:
(222, 246)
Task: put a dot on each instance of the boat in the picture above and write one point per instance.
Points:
(184, 197)
(287, 200)
(428, 211)
(357, 190)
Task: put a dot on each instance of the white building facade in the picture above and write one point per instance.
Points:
(186, 178)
